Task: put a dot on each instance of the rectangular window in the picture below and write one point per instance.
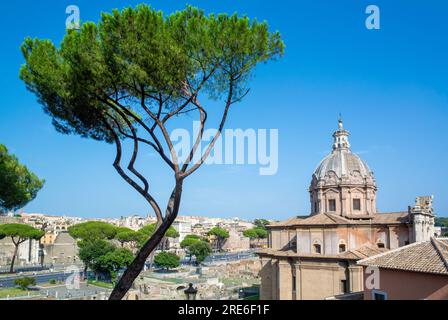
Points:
(293, 282)
(357, 204)
(332, 205)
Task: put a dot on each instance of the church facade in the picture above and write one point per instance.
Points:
(314, 257)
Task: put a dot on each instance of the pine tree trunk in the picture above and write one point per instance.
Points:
(16, 249)
(85, 271)
(137, 265)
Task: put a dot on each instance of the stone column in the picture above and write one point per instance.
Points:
(274, 279)
(344, 208)
(298, 269)
(284, 280)
(368, 208)
(393, 238)
(297, 241)
(266, 279)
(356, 278)
(350, 200)
(321, 201)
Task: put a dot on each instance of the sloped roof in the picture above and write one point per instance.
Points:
(317, 219)
(391, 217)
(333, 219)
(363, 252)
(428, 257)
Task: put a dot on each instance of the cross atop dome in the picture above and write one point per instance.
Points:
(341, 137)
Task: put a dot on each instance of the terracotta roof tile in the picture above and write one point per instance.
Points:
(391, 217)
(363, 252)
(428, 256)
(333, 219)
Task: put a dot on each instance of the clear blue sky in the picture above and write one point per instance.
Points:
(390, 85)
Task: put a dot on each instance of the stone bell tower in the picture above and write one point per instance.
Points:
(422, 219)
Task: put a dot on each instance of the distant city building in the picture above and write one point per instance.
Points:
(63, 250)
(200, 226)
(134, 222)
(58, 247)
(314, 257)
(236, 241)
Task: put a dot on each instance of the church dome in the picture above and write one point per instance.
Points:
(343, 183)
(342, 165)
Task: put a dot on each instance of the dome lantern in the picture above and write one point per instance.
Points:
(341, 137)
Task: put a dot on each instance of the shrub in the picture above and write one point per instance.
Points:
(166, 260)
(200, 250)
(25, 282)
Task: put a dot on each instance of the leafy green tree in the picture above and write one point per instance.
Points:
(220, 234)
(126, 235)
(93, 230)
(113, 261)
(261, 223)
(129, 77)
(25, 282)
(189, 240)
(167, 260)
(91, 251)
(19, 233)
(18, 185)
(441, 222)
(261, 233)
(200, 250)
(256, 233)
(149, 230)
(250, 233)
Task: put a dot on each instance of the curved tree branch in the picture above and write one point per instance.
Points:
(121, 172)
(159, 149)
(135, 151)
(217, 135)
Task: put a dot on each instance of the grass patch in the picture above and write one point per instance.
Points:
(15, 292)
(234, 281)
(238, 281)
(173, 280)
(170, 280)
(101, 284)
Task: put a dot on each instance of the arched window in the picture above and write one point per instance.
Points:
(342, 248)
(317, 248)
